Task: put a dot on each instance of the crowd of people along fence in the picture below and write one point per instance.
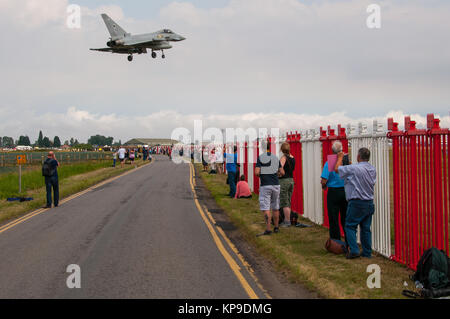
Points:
(413, 164)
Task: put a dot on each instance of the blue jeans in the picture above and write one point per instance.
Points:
(232, 182)
(52, 182)
(359, 212)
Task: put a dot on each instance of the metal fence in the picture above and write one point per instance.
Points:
(37, 158)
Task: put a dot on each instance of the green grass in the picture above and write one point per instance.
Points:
(72, 179)
(300, 253)
(32, 179)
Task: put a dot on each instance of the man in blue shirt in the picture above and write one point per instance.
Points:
(336, 201)
(51, 180)
(232, 163)
(359, 184)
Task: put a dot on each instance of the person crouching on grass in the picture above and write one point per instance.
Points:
(242, 189)
(268, 168)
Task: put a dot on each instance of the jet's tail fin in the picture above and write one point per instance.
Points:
(114, 29)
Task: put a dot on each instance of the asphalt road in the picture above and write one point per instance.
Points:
(140, 236)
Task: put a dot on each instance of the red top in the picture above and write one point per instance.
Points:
(242, 189)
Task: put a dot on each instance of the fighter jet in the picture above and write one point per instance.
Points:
(125, 43)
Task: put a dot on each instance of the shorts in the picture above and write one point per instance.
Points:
(121, 159)
(286, 189)
(269, 197)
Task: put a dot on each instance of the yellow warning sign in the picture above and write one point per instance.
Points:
(21, 159)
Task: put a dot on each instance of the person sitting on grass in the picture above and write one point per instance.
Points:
(242, 189)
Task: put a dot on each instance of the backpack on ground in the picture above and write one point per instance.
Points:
(294, 218)
(336, 246)
(433, 269)
(47, 169)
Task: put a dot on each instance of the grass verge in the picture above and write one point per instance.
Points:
(72, 179)
(301, 256)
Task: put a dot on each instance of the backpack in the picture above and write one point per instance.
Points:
(336, 246)
(433, 269)
(47, 169)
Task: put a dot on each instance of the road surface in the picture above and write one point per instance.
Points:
(139, 236)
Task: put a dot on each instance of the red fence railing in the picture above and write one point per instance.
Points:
(420, 164)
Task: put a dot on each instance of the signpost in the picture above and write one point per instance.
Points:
(21, 159)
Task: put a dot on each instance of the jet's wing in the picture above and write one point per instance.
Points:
(104, 50)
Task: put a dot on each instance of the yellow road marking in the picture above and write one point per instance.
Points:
(238, 254)
(231, 262)
(72, 197)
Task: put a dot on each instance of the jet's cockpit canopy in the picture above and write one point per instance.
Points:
(167, 31)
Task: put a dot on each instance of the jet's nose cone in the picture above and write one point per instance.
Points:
(180, 38)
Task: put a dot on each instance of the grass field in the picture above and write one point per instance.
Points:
(72, 179)
(300, 253)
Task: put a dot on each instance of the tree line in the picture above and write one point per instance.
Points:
(46, 142)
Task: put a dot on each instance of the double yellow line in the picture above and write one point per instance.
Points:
(229, 259)
(43, 210)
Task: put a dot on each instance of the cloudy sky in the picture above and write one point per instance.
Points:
(293, 64)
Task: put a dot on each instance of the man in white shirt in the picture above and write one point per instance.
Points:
(122, 152)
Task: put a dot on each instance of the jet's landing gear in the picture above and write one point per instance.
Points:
(163, 55)
(130, 57)
(153, 55)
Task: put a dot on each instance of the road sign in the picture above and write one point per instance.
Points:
(21, 159)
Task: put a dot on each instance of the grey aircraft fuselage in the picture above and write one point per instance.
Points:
(124, 43)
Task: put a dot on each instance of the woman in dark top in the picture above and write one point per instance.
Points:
(287, 162)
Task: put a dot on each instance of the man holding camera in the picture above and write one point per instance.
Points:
(359, 183)
(336, 201)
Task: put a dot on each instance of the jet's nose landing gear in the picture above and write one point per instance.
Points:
(130, 57)
(153, 54)
(163, 55)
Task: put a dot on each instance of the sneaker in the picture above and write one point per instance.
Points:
(276, 230)
(267, 232)
(285, 225)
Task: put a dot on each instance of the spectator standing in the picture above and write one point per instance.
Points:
(132, 156)
(232, 164)
(219, 160)
(114, 159)
(212, 161)
(122, 154)
(336, 201)
(359, 183)
(50, 171)
(242, 189)
(287, 162)
(267, 168)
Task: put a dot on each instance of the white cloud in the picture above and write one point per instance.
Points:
(82, 124)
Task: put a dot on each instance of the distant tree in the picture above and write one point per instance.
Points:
(46, 142)
(100, 140)
(56, 142)
(24, 140)
(40, 141)
(66, 143)
(76, 143)
(8, 142)
(1, 141)
(72, 141)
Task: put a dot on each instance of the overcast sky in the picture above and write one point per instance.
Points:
(265, 63)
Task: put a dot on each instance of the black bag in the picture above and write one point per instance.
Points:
(294, 218)
(433, 269)
(47, 169)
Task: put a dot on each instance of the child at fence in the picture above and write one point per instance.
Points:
(242, 189)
